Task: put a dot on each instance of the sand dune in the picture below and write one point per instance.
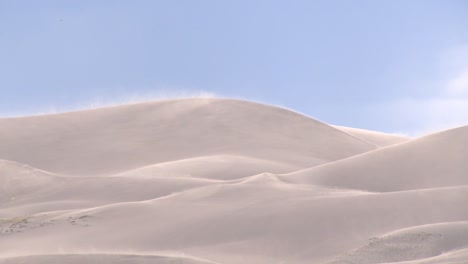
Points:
(226, 181)
(115, 139)
(437, 160)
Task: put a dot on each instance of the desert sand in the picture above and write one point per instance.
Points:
(226, 181)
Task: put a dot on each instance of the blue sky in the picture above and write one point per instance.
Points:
(395, 66)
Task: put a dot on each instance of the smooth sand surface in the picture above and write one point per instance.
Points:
(226, 181)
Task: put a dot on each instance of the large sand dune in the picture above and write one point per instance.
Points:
(115, 139)
(226, 181)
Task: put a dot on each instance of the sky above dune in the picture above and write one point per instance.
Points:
(393, 66)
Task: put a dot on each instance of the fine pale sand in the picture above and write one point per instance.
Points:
(226, 181)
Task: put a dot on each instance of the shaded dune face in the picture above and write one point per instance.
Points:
(226, 181)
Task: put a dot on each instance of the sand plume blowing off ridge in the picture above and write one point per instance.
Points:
(226, 181)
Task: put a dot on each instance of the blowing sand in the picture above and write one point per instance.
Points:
(226, 181)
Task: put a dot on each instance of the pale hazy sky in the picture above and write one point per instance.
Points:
(395, 66)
